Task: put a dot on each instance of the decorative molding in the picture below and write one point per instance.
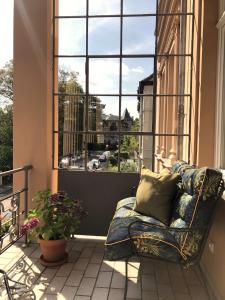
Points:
(220, 90)
(172, 156)
(221, 22)
(163, 152)
(169, 44)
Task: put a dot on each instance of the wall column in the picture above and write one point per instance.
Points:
(32, 93)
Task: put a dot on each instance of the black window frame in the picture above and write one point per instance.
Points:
(120, 56)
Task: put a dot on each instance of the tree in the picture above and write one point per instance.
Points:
(6, 83)
(6, 117)
(68, 84)
(6, 138)
(130, 143)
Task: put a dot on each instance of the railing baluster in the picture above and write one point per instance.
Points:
(17, 287)
(26, 200)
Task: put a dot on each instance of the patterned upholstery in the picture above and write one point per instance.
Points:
(118, 244)
(181, 241)
(194, 205)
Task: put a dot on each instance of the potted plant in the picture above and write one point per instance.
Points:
(53, 221)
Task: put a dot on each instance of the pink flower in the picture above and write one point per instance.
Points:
(30, 224)
(54, 198)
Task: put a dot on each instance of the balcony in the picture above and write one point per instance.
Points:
(178, 96)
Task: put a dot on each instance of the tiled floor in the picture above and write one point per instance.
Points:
(87, 275)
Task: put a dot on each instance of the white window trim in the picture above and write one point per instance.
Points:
(220, 87)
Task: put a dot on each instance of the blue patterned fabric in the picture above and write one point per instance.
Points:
(147, 240)
(191, 213)
(194, 205)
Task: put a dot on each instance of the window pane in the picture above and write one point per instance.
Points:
(135, 151)
(71, 113)
(72, 33)
(139, 35)
(140, 110)
(72, 8)
(103, 7)
(102, 152)
(71, 151)
(103, 113)
(104, 36)
(139, 7)
(104, 76)
(129, 114)
(135, 70)
(71, 75)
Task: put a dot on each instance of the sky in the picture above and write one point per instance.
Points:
(6, 31)
(104, 38)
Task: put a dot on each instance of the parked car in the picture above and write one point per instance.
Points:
(93, 164)
(107, 154)
(68, 161)
(102, 158)
(64, 162)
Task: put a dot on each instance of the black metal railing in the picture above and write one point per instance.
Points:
(11, 215)
(11, 212)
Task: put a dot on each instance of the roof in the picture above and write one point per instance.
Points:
(126, 115)
(110, 117)
(146, 81)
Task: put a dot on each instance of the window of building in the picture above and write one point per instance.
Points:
(122, 83)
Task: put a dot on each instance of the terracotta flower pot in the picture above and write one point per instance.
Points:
(53, 251)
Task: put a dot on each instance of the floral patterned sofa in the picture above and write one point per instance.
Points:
(131, 233)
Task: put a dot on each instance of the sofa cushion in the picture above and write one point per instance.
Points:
(155, 194)
(194, 205)
(198, 193)
(154, 241)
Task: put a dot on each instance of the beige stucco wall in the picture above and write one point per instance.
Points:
(207, 87)
(212, 263)
(32, 92)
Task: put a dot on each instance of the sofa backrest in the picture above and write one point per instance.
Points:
(195, 201)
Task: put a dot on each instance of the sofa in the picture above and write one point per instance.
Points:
(182, 241)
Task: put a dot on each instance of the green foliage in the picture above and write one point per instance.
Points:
(6, 117)
(58, 216)
(112, 168)
(4, 228)
(6, 82)
(112, 160)
(135, 126)
(123, 155)
(6, 138)
(130, 143)
(128, 166)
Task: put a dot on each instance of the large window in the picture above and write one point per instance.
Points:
(106, 68)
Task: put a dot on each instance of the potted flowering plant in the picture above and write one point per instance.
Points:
(54, 219)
